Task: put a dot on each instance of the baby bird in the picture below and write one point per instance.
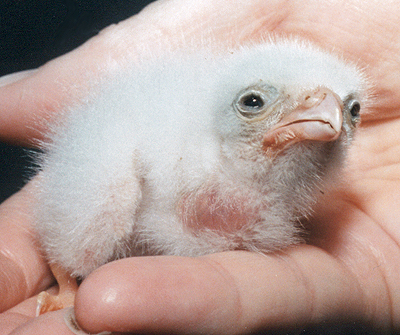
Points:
(194, 153)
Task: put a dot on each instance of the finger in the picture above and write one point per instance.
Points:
(47, 324)
(228, 293)
(17, 316)
(23, 271)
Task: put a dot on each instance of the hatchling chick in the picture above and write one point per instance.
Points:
(191, 153)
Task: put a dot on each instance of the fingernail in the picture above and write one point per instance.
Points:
(70, 321)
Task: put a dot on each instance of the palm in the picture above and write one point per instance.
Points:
(350, 266)
(358, 225)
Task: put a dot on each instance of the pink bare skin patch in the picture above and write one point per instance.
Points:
(210, 209)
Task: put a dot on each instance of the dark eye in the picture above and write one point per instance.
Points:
(354, 109)
(253, 102)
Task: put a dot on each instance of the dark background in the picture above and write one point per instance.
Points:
(35, 31)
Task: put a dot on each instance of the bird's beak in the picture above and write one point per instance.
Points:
(318, 117)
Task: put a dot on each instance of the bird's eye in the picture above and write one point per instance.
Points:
(252, 102)
(354, 108)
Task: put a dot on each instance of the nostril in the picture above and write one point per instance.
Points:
(313, 98)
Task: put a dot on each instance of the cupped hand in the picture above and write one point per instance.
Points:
(349, 270)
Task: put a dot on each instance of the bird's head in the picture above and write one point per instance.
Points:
(296, 105)
(317, 114)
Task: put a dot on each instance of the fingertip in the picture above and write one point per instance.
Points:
(100, 298)
(23, 272)
(17, 76)
(72, 324)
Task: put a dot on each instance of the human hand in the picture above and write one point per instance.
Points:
(349, 270)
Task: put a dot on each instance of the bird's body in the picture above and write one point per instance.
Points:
(195, 153)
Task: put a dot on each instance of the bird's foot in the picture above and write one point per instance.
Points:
(66, 294)
(48, 303)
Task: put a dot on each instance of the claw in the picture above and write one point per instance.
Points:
(66, 296)
(48, 303)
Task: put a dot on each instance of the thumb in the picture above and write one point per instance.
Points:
(227, 293)
(23, 271)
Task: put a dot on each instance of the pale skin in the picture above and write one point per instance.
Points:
(349, 270)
